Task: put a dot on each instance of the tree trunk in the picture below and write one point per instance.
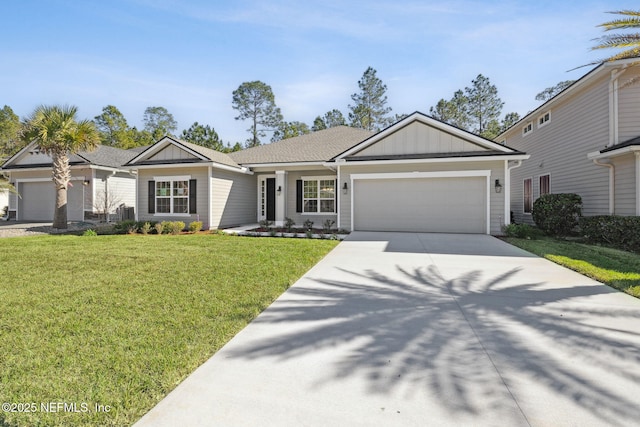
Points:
(61, 175)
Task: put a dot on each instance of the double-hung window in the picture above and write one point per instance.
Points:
(319, 195)
(545, 185)
(171, 195)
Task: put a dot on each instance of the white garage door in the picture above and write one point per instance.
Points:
(38, 201)
(435, 205)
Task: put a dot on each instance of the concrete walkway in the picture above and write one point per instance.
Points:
(399, 329)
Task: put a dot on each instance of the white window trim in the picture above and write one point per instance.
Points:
(530, 196)
(526, 132)
(172, 179)
(543, 124)
(335, 194)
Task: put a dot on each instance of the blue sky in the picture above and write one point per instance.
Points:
(189, 56)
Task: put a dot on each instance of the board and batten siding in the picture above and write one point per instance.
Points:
(233, 199)
(201, 174)
(496, 200)
(419, 138)
(579, 125)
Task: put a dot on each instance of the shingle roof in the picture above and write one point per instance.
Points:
(628, 143)
(318, 146)
(104, 155)
(213, 155)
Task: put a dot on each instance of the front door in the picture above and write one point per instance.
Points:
(271, 199)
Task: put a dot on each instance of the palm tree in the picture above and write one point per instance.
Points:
(629, 42)
(58, 134)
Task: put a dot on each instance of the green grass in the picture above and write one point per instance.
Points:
(122, 320)
(613, 267)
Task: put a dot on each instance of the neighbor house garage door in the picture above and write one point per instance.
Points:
(37, 201)
(437, 205)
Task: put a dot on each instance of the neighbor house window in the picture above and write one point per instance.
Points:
(172, 195)
(527, 195)
(526, 130)
(545, 185)
(544, 119)
(319, 195)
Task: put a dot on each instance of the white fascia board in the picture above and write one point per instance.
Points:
(283, 165)
(107, 168)
(47, 179)
(596, 155)
(243, 170)
(436, 160)
(409, 175)
(19, 153)
(191, 165)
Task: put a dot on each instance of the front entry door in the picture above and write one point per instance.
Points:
(271, 199)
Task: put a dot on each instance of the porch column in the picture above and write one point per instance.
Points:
(637, 158)
(281, 197)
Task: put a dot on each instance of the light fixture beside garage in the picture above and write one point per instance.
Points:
(498, 186)
(279, 190)
(344, 188)
(86, 182)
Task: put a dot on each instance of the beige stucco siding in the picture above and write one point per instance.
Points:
(419, 138)
(201, 174)
(233, 199)
(578, 126)
(496, 168)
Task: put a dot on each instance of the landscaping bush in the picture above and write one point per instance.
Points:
(308, 224)
(123, 226)
(90, 233)
(288, 224)
(557, 214)
(159, 227)
(622, 232)
(326, 225)
(146, 228)
(522, 231)
(195, 226)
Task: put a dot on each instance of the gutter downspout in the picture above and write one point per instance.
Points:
(613, 105)
(612, 172)
(507, 193)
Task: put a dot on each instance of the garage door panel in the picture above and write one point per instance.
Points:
(447, 205)
(37, 202)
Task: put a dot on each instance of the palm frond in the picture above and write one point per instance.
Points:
(633, 20)
(618, 41)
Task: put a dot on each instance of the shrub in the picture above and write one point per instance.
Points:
(326, 225)
(195, 226)
(266, 224)
(145, 228)
(90, 233)
(522, 231)
(175, 227)
(308, 224)
(622, 232)
(132, 229)
(288, 224)
(159, 227)
(124, 226)
(557, 214)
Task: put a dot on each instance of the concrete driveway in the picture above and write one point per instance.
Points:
(400, 329)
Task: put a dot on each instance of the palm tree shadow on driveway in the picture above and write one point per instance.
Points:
(472, 343)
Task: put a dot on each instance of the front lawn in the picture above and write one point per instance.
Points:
(613, 267)
(119, 321)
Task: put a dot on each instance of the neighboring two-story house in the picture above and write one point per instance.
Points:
(585, 140)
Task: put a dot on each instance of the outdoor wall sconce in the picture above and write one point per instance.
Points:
(86, 182)
(498, 186)
(279, 190)
(344, 188)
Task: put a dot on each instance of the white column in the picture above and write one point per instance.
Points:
(281, 197)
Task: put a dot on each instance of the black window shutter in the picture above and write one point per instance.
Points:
(152, 197)
(335, 196)
(299, 195)
(192, 196)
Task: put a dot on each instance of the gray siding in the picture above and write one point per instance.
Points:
(496, 200)
(233, 199)
(579, 125)
(629, 106)
(300, 218)
(625, 189)
(171, 152)
(201, 174)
